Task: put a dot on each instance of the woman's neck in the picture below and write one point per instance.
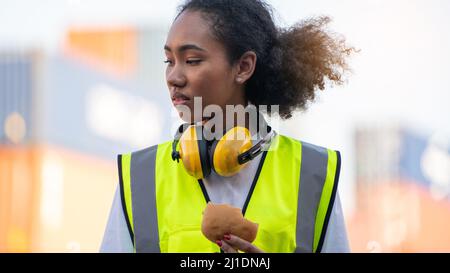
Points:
(234, 115)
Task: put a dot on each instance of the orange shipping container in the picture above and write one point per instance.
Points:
(399, 216)
(111, 50)
(53, 199)
(19, 190)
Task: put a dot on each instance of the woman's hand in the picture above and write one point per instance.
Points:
(231, 244)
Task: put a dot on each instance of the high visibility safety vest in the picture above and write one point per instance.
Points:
(291, 199)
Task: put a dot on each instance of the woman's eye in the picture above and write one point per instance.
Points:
(193, 61)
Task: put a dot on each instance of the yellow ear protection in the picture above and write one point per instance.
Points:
(227, 156)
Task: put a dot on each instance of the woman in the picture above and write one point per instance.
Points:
(230, 53)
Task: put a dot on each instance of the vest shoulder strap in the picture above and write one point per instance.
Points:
(134, 169)
(319, 176)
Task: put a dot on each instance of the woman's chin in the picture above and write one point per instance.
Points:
(186, 116)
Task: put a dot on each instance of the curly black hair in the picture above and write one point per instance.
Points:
(292, 63)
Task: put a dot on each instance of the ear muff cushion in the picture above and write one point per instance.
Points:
(213, 149)
(189, 152)
(203, 151)
(225, 155)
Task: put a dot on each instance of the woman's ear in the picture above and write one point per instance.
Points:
(245, 67)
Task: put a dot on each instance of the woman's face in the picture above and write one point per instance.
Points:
(198, 67)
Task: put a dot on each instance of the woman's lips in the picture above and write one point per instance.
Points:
(178, 99)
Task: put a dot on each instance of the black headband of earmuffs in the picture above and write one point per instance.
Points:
(175, 154)
(246, 156)
(255, 150)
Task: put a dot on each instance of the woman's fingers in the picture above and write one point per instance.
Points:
(226, 247)
(237, 243)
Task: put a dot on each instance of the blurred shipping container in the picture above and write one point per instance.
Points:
(134, 53)
(52, 99)
(403, 185)
(18, 86)
(110, 49)
(53, 199)
(19, 192)
(63, 122)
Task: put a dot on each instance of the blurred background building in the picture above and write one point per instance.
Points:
(402, 191)
(64, 117)
(82, 81)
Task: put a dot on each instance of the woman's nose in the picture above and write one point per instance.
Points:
(175, 77)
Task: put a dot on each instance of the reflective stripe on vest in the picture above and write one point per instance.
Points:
(291, 200)
(317, 183)
(141, 211)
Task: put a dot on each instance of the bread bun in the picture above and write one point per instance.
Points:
(220, 219)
